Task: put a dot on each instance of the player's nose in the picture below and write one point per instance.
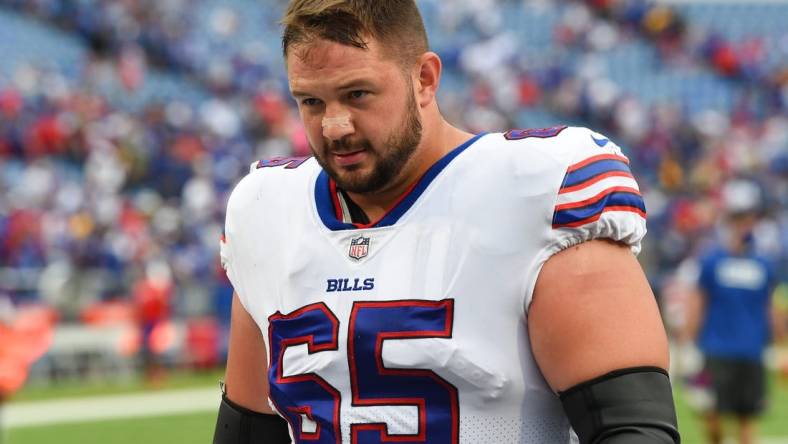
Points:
(337, 125)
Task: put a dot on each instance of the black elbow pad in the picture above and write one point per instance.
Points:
(628, 406)
(238, 425)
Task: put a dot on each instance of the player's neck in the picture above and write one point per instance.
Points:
(434, 145)
(737, 246)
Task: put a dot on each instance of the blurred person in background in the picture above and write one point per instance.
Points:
(12, 375)
(25, 335)
(731, 315)
(152, 296)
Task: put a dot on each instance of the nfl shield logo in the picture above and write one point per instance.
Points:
(359, 247)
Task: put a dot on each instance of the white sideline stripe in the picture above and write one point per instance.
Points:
(96, 408)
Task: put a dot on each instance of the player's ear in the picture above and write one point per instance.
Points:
(428, 78)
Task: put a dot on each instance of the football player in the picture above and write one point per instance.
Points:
(413, 282)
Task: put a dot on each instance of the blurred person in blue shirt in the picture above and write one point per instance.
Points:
(731, 316)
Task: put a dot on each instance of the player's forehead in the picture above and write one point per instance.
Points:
(324, 64)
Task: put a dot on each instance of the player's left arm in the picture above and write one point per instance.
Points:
(597, 336)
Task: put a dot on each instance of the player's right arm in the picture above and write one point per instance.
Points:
(245, 376)
(244, 414)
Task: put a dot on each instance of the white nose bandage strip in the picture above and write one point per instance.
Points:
(340, 122)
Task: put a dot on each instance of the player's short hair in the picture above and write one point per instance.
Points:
(396, 24)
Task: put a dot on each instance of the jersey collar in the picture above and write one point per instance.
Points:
(328, 205)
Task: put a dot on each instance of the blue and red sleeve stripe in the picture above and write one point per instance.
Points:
(579, 208)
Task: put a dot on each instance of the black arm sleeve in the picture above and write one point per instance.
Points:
(628, 406)
(238, 425)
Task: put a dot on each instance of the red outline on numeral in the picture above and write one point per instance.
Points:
(536, 133)
(309, 340)
(307, 411)
(419, 402)
(289, 162)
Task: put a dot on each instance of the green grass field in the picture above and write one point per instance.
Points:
(193, 428)
(773, 424)
(175, 380)
(198, 427)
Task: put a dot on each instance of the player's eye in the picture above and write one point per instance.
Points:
(310, 101)
(358, 94)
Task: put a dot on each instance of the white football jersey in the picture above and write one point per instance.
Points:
(414, 328)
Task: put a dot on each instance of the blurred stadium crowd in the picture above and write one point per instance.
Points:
(124, 125)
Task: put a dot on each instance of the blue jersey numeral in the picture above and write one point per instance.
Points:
(371, 324)
(306, 394)
(372, 384)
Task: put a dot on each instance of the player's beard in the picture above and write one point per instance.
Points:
(388, 160)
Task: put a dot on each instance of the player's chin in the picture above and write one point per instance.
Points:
(360, 169)
(356, 181)
(351, 175)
